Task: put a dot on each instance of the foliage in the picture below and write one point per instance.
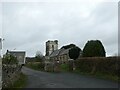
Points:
(21, 82)
(64, 67)
(39, 56)
(98, 64)
(93, 48)
(103, 67)
(68, 46)
(9, 59)
(35, 65)
(74, 52)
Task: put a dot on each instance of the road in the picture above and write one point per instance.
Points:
(38, 79)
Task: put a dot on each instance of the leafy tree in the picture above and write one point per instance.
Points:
(74, 52)
(93, 48)
(9, 59)
(68, 46)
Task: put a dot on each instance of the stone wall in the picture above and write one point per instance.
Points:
(10, 73)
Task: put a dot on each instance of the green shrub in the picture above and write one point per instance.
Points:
(64, 67)
(36, 65)
(20, 82)
(9, 59)
(105, 67)
(94, 48)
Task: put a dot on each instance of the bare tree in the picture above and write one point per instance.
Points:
(39, 56)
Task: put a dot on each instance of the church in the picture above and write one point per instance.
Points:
(54, 54)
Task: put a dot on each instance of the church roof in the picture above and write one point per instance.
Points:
(55, 53)
(59, 52)
(64, 51)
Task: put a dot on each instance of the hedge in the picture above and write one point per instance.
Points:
(107, 65)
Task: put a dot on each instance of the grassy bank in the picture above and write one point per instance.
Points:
(64, 67)
(100, 75)
(18, 84)
(35, 65)
(21, 82)
(112, 77)
(100, 67)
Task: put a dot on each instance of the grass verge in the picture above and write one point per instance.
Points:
(35, 65)
(100, 75)
(64, 67)
(21, 82)
(18, 84)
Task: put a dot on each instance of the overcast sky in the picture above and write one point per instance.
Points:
(28, 25)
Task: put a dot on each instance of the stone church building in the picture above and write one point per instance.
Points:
(55, 54)
(51, 46)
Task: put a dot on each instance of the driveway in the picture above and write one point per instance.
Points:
(38, 79)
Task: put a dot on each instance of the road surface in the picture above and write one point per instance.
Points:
(38, 79)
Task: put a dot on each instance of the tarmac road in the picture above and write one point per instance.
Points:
(38, 79)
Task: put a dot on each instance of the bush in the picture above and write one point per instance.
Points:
(94, 48)
(19, 83)
(35, 65)
(9, 59)
(74, 52)
(107, 68)
(64, 67)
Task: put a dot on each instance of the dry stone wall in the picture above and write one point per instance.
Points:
(10, 73)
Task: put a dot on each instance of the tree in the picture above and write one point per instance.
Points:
(39, 56)
(94, 48)
(9, 59)
(68, 46)
(74, 52)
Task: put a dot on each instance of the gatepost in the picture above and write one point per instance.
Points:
(70, 64)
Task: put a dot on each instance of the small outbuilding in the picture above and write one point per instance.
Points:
(20, 55)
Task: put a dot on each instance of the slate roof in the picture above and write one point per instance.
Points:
(64, 51)
(16, 52)
(55, 53)
(59, 52)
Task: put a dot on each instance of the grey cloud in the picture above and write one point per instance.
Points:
(28, 26)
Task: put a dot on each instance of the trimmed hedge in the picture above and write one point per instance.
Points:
(107, 65)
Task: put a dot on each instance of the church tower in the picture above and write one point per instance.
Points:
(51, 46)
